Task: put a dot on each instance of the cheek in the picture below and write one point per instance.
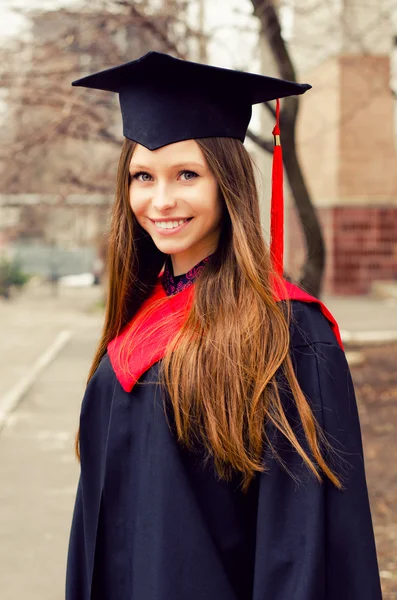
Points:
(206, 197)
(137, 201)
(214, 201)
(137, 204)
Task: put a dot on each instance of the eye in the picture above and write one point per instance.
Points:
(141, 176)
(189, 175)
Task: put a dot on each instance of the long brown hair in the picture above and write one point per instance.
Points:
(234, 323)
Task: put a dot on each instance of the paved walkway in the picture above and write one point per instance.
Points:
(39, 476)
(37, 466)
(363, 314)
(31, 322)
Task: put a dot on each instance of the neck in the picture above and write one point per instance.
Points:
(183, 264)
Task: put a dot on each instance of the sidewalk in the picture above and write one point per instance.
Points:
(31, 322)
(37, 465)
(364, 319)
(39, 473)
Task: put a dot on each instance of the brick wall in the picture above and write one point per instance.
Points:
(364, 248)
(361, 245)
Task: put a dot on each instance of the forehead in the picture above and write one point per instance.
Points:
(185, 151)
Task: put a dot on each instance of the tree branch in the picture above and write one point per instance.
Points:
(315, 249)
(271, 29)
(270, 109)
(266, 145)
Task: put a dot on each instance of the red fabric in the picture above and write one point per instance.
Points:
(277, 203)
(153, 349)
(285, 290)
(154, 346)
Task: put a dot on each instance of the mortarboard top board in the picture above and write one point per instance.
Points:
(165, 99)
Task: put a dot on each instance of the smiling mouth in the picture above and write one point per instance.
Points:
(170, 224)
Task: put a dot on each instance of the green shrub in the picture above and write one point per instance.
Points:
(11, 274)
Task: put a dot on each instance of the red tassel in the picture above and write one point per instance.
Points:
(277, 205)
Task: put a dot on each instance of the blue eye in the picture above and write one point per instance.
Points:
(142, 176)
(189, 175)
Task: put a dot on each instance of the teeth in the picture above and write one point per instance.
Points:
(169, 224)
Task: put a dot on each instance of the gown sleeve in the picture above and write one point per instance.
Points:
(76, 574)
(315, 542)
(94, 424)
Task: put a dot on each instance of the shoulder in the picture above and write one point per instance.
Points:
(104, 374)
(309, 326)
(100, 388)
(311, 321)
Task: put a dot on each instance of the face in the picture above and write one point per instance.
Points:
(175, 198)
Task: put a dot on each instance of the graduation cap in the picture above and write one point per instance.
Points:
(165, 100)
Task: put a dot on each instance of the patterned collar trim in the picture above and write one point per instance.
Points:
(173, 284)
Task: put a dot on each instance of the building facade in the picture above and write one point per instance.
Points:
(347, 139)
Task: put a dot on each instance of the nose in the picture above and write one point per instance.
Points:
(162, 198)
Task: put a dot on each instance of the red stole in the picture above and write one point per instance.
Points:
(154, 346)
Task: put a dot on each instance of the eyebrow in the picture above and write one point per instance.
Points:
(178, 166)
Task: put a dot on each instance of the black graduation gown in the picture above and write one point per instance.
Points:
(150, 523)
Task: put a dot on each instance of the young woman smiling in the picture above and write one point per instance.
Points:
(220, 445)
(174, 183)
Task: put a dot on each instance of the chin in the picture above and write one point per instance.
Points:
(171, 247)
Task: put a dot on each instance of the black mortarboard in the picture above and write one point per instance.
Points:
(165, 100)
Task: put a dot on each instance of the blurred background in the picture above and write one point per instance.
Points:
(59, 148)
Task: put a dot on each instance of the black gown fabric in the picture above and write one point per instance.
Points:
(151, 523)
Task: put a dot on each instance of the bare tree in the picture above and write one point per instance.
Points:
(314, 265)
(53, 128)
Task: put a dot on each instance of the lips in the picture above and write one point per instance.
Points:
(171, 223)
(171, 230)
(173, 219)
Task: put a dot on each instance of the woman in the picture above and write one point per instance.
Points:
(221, 454)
